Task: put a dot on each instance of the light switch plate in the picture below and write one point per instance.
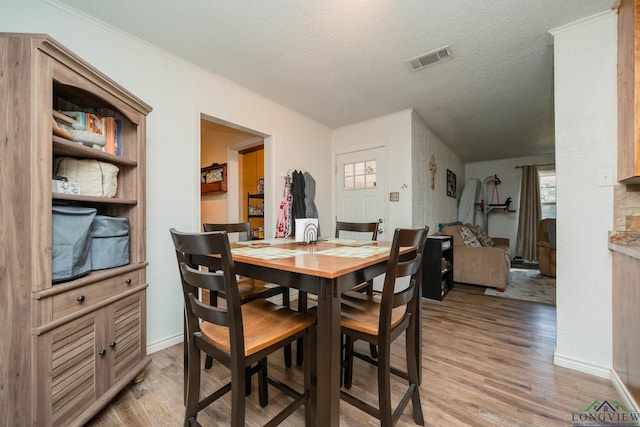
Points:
(394, 197)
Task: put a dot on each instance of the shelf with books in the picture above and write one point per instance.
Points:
(64, 147)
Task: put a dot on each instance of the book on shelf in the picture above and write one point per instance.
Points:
(113, 132)
(88, 129)
(61, 125)
(93, 130)
(118, 137)
(110, 134)
(62, 118)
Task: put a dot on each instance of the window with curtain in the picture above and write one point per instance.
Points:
(547, 180)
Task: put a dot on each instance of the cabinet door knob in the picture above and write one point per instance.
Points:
(113, 344)
(80, 299)
(102, 352)
(128, 281)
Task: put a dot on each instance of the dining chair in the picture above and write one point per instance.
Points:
(365, 229)
(368, 230)
(238, 335)
(250, 289)
(380, 320)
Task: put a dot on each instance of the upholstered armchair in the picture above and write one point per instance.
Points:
(480, 265)
(547, 246)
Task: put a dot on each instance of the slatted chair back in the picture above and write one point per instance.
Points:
(358, 227)
(242, 228)
(398, 267)
(219, 332)
(188, 246)
(257, 289)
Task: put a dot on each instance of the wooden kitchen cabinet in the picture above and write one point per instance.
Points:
(629, 92)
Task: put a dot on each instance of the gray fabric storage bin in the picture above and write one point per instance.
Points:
(70, 242)
(109, 242)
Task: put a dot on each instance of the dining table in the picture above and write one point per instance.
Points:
(325, 268)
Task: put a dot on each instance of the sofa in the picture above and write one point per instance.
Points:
(480, 265)
(547, 247)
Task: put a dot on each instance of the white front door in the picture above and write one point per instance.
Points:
(360, 189)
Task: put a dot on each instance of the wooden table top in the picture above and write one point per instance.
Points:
(328, 258)
(312, 259)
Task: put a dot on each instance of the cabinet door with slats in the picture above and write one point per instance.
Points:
(69, 353)
(126, 337)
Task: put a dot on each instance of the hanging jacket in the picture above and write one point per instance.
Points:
(298, 209)
(311, 211)
(283, 226)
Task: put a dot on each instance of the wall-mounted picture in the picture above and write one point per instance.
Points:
(451, 184)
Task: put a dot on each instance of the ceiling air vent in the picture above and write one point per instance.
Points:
(429, 58)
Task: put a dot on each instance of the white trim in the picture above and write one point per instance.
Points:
(165, 343)
(624, 392)
(584, 21)
(581, 366)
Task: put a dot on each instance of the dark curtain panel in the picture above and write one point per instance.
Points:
(529, 214)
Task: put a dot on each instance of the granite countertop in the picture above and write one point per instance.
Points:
(626, 242)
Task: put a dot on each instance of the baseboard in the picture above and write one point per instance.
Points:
(621, 388)
(579, 365)
(165, 343)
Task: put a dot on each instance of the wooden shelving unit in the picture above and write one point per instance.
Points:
(213, 179)
(71, 346)
(437, 267)
(255, 212)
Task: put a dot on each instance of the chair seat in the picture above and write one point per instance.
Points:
(264, 324)
(361, 312)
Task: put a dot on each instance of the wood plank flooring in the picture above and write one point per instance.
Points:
(487, 361)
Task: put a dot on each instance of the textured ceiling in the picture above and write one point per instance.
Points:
(342, 61)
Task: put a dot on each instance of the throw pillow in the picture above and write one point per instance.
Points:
(468, 237)
(482, 236)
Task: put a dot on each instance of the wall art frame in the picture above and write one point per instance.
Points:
(451, 183)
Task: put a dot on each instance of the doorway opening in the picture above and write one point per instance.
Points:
(251, 168)
(226, 144)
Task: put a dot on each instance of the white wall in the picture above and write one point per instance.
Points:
(393, 132)
(502, 223)
(408, 145)
(432, 206)
(179, 93)
(586, 134)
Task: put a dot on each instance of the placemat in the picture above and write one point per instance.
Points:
(264, 242)
(354, 252)
(348, 242)
(266, 252)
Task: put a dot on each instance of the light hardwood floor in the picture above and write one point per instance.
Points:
(487, 361)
